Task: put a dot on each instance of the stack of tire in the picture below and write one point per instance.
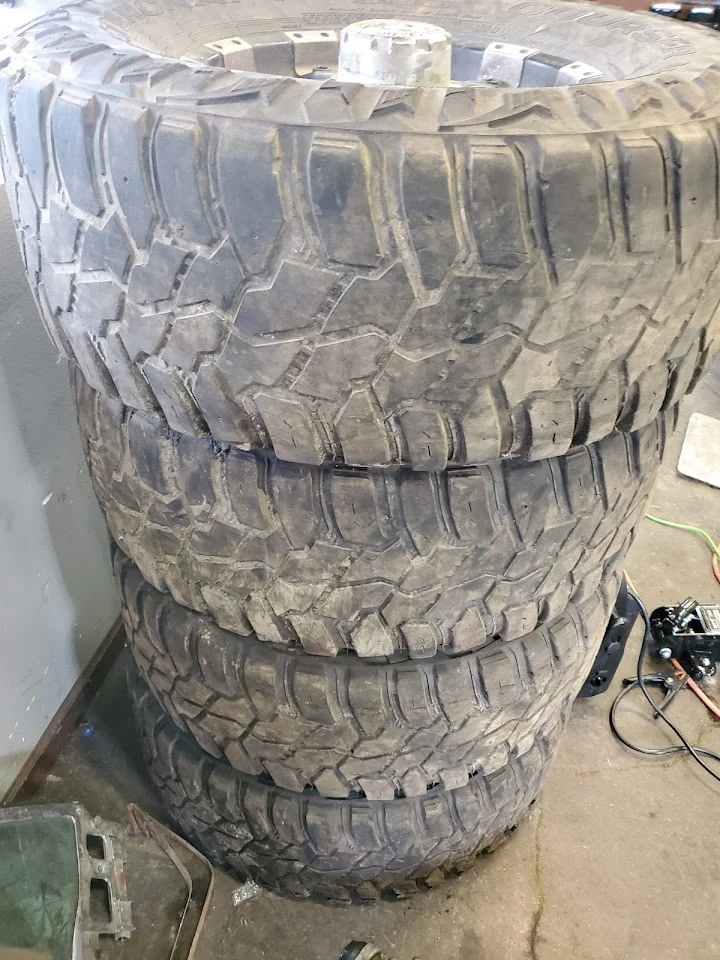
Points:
(373, 386)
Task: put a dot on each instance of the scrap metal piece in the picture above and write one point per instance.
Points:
(198, 899)
(110, 871)
(98, 853)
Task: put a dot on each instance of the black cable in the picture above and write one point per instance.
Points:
(651, 751)
(696, 753)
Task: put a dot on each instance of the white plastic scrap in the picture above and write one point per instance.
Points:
(248, 891)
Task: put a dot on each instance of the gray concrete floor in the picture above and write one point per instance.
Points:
(620, 857)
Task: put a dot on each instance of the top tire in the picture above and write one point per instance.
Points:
(371, 275)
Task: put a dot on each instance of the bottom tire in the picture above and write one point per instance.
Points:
(302, 844)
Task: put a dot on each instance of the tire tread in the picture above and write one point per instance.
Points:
(304, 845)
(381, 332)
(388, 564)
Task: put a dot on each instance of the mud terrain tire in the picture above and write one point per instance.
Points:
(386, 564)
(366, 275)
(345, 727)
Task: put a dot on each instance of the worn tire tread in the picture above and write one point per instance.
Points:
(345, 727)
(388, 564)
(339, 335)
(304, 845)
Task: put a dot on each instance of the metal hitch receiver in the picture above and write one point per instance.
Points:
(690, 634)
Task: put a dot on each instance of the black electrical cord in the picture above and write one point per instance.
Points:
(697, 753)
(650, 751)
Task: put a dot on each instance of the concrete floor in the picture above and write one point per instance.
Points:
(620, 857)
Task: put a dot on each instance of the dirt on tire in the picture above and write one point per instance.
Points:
(421, 278)
(344, 727)
(386, 564)
(305, 845)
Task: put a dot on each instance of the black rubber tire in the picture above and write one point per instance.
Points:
(240, 250)
(301, 844)
(346, 727)
(388, 564)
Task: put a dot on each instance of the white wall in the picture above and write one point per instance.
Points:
(57, 597)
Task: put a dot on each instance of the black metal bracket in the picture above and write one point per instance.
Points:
(690, 634)
(613, 645)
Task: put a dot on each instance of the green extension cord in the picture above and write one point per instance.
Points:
(686, 526)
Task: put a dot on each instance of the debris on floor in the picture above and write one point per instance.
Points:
(357, 950)
(68, 879)
(248, 891)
